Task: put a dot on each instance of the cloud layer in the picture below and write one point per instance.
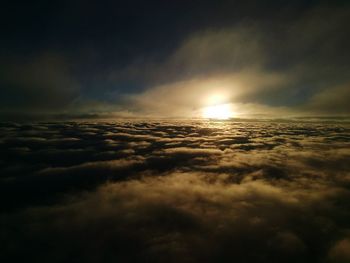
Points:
(160, 191)
(289, 70)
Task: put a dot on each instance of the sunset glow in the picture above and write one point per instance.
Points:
(221, 112)
(175, 131)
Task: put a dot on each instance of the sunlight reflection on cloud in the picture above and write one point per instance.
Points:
(202, 191)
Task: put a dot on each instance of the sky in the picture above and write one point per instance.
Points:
(169, 59)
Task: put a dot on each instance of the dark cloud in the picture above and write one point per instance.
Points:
(106, 59)
(287, 68)
(42, 83)
(159, 191)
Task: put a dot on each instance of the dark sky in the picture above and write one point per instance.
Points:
(118, 57)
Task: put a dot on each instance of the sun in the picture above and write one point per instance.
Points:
(221, 112)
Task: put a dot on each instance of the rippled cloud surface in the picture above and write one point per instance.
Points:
(175, 192)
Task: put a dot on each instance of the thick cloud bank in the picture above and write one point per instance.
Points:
(175, 192)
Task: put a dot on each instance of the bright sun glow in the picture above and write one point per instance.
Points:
(221, 111)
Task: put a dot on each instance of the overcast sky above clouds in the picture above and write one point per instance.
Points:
(162, 58)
